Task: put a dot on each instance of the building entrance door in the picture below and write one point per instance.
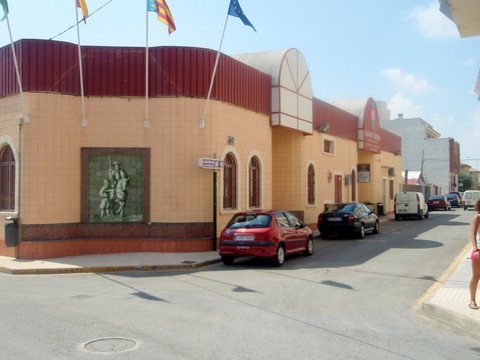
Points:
(338, 189)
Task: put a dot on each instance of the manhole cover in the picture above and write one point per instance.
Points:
(110, 345)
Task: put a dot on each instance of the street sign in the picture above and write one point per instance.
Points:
(207, 163)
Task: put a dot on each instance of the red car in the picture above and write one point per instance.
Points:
(439, 202)
(273, 234)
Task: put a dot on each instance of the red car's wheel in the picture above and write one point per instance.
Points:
(309, 250)
(279, 258)
(228, 259)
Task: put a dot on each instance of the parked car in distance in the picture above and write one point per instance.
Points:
(454, 200)
(439, 202)
(352, 218)
(470, 197)
(459, 194)
(410, 204)
(273, 234)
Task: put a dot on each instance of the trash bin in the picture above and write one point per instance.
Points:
(11, 232)
(380, 209)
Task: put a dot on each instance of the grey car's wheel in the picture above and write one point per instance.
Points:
(376, 229)
(309, 250)
(228, 259)
(279, 258)
(361, 232)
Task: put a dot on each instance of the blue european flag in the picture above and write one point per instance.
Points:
(236, 10)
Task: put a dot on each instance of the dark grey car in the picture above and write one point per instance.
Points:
(353, 218)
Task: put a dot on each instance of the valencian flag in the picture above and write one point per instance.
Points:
(236, 10)
(5, 8)
(82, 5)
(163, 13)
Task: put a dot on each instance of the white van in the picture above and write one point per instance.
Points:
(469, 199)
(410, 204)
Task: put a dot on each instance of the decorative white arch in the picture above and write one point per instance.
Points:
(292, 92)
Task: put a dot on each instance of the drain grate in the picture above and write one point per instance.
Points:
(110, 345)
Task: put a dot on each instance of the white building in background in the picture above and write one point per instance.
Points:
(383, 110)
(437, 159)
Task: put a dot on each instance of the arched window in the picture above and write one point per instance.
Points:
(311, 185)
(7, 179)
(354, 182)
(230, 183)
(254, 183)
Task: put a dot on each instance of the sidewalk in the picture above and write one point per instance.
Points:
(109, 263)
(446, 301)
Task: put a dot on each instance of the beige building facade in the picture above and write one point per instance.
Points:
(113, 182)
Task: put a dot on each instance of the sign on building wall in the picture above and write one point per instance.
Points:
(363, 173)
(208, 163)
(371, 128)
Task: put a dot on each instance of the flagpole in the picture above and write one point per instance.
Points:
(84, 120)
(146, 122)
(202, 121)
(26, 117)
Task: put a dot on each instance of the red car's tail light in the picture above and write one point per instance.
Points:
(320, 218)
(350, 218)
(269, 235)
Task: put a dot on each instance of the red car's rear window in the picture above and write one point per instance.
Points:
(250, 221)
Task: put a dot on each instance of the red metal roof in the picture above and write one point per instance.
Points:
(52, 66)
(342, 123)
(390, 142)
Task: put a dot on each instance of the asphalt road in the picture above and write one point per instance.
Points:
(353, 299)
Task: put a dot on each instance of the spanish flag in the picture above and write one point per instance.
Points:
(163, 13)
(83, 5)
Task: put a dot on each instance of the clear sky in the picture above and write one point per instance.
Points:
(405, 53)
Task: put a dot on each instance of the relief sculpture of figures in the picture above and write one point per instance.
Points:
(114, 192)
(106, 205)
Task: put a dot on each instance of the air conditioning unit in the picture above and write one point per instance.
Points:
(392, 171)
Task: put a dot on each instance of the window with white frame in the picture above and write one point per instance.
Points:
(328, 145)
(230, 183)
(311, 185)
(254, 183)
(7, 179)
